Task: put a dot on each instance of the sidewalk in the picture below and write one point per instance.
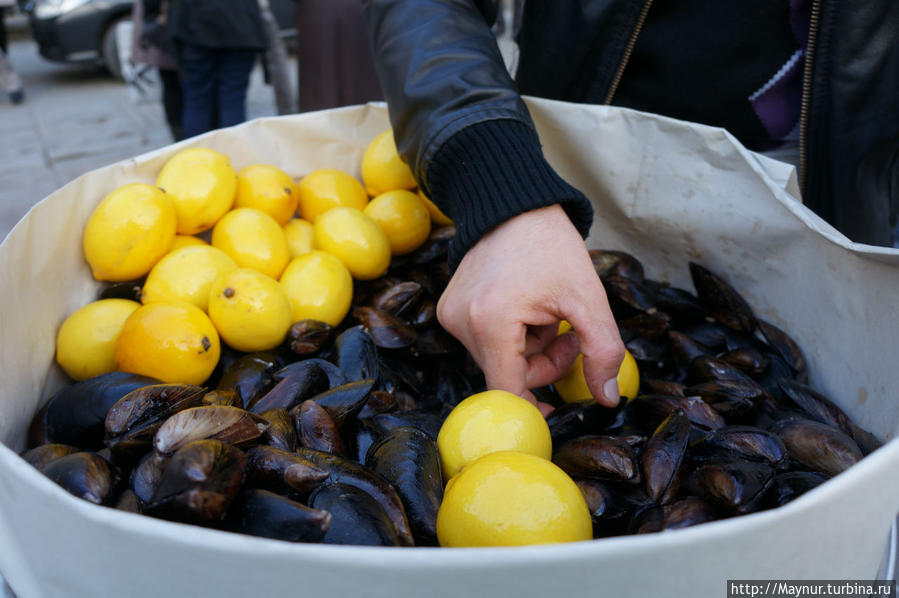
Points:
(75, 119)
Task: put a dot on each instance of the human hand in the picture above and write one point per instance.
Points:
(509, 293)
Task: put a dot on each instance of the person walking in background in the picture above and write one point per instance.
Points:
(334, 59)
(9, 78)
(154, 46)
(217, 42)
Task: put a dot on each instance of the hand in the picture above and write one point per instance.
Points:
(509, 293)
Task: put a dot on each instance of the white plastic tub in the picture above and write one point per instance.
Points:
(667, 191)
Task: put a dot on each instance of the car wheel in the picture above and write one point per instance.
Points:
(110, 50)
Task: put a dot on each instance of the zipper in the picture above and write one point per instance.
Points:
(807, 91)
(627, 52)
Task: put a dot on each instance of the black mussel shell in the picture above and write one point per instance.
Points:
(609, 262)
(76, 415)
(356, 354)
(298, 381)
(356, 517)
(308, 337)
(398, 300)
(818, 446)
(268, 467)
(317, 430)
(408, 459)
(722, 300)
(146, 475)
(43, 455)
(664, 453)
(281, 433)
(228, 424)
(787, 486)
(741, 442)
(344, 401)
(785, 347)
(344, 471)
(735, 485)
(581, 418)
(250, 376)
(85, 475)
(598, 457)
(426, 421)
(199, 482)
(269, 515)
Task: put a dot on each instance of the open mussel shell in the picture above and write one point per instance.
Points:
(250, 376)
(722, 300)
(317, 430)
(269, 515)
(598, 457)
(344, 471)
(736, 485)
(228, 424)
(741, 442)
(298, 381)
(308, 337)
(663, 454)
(818, 446)
(281, 471)
(85, 475)
(356, 517)
(408, 459)
(40, 456)
(133, 421)
(76, 415)
(199, 482)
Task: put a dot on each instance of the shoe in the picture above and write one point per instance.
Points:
(17, 96)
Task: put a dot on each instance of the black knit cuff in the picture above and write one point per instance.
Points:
(491, 171)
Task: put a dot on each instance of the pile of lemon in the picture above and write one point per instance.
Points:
(276, 252)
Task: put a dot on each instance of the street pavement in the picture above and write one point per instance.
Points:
(76, 119)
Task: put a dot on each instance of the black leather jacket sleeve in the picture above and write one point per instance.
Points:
(458, 119)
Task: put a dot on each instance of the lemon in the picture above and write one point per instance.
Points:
(186, 275)
(383, 169)
(355, 239)
(512, 499)
(319, 287)
(267, 188)
(185, 241)
(202, 184)
(128, 232)
(321, 190)
(172, 341)
(572, 387)
(487, 422)
(298, 233)
(85, 343)
(250, 310)
(403, 217)
(253, 239)
(437, 216)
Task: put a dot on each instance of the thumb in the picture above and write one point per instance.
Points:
(602, 349)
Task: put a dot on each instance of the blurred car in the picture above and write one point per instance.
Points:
(84, 31)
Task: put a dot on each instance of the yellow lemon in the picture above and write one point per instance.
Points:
(253, 239)
(131, 229)
(382, 167)
(355, 239)
(250, 310)
(298, 233)
(319, 287)
(437, 216)
(512, 499)
(186, 241)
(85, 343)
(172, 341)
(321, 190)
(487, 422)
(186, 275)
(403, 217)
(202, 184)
(572, 387)
(267, 188)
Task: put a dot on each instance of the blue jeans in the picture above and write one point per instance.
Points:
(215, 85)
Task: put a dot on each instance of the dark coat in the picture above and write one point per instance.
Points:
(217, 24)
(441, 73)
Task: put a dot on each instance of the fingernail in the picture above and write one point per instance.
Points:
(610, 389)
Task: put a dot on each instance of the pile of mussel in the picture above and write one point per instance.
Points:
(332, 436)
